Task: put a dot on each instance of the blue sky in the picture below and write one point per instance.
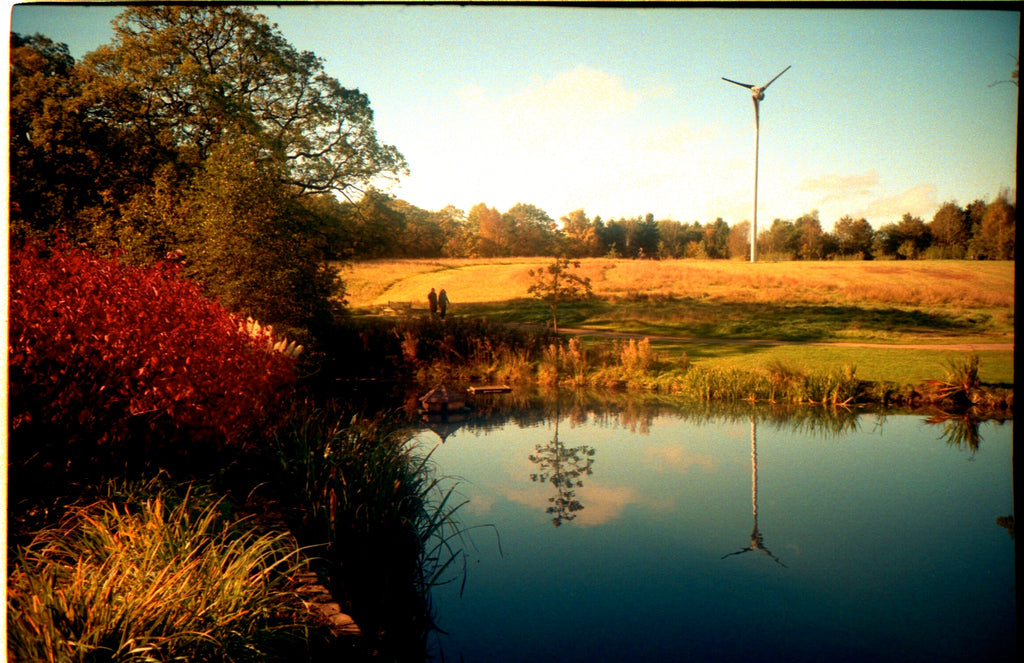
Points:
(622, 111)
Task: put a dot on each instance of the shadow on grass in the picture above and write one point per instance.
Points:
(736, 320)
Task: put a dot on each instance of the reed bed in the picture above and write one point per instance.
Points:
(147, 575)
(635, 366)
(377, 515)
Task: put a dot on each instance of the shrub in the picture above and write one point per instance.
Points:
(961, 385)
(108, 361)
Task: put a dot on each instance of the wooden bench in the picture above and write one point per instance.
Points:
(397, 308)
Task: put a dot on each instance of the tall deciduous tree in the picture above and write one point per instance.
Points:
(580, 235)
(492, 230)
(62, 160)
(532, 230)
(996, 236)
(914, 237)
(854, 237)
(811, 243)
(950, 231)
(255, 247)
(186, 78)
(739, 240)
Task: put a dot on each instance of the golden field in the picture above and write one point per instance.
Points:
(919, 284)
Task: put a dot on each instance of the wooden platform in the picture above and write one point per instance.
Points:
(490, 389)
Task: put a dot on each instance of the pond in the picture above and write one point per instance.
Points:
(729, 538)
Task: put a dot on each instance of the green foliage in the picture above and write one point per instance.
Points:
(188, 78)
(153, 576)
(558, 283)
(254, 246)
(64, 161)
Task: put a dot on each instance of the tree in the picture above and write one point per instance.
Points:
(558, 283)
(532, 230)
(811, 242)
(63, 161)
(739, 240)
(183, 94)
(996, 236)
(423, 236)
(186, 78)
(780, 239)
(886, 241)
(491, 231)
(949, 231)
(613, 236)
(581, 238)
(380, 230)
(854, 237)
(458, 239)
(255, 247)
(716, 239)
(913, 236)
(646, 238)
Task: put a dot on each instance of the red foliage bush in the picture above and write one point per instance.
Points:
(128, 357)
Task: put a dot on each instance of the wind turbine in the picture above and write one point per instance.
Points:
(757, 92)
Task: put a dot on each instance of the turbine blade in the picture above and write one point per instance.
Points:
(776, 76)
(737, 82)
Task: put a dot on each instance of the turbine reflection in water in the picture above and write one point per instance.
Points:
(756, 538)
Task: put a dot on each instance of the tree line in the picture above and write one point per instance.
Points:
(200, 135)
(379, 226)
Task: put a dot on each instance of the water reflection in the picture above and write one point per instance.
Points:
(959, 429)
(561, 467)
(849, 502)
(756, 537)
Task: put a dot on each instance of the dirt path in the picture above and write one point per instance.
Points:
(950, 347)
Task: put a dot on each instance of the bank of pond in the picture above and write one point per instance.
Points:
(431, 528)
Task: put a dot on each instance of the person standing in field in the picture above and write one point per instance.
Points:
(432, 300)
(442, 302)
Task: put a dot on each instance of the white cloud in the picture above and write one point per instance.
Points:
(836, 188)
(919, 201)
(677, 459)
(601, 504)
(576, 139)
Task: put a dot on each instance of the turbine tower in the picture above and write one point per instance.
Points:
(757, 92)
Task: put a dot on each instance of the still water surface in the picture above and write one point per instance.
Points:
(729, 539)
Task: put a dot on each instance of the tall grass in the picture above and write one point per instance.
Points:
(386, 524)
(149, 576)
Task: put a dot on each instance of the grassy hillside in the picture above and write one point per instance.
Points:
(919, 303)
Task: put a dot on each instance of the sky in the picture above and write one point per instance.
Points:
(622, 111)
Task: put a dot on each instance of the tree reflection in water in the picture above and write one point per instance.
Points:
(756, 538)
(562, 467)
